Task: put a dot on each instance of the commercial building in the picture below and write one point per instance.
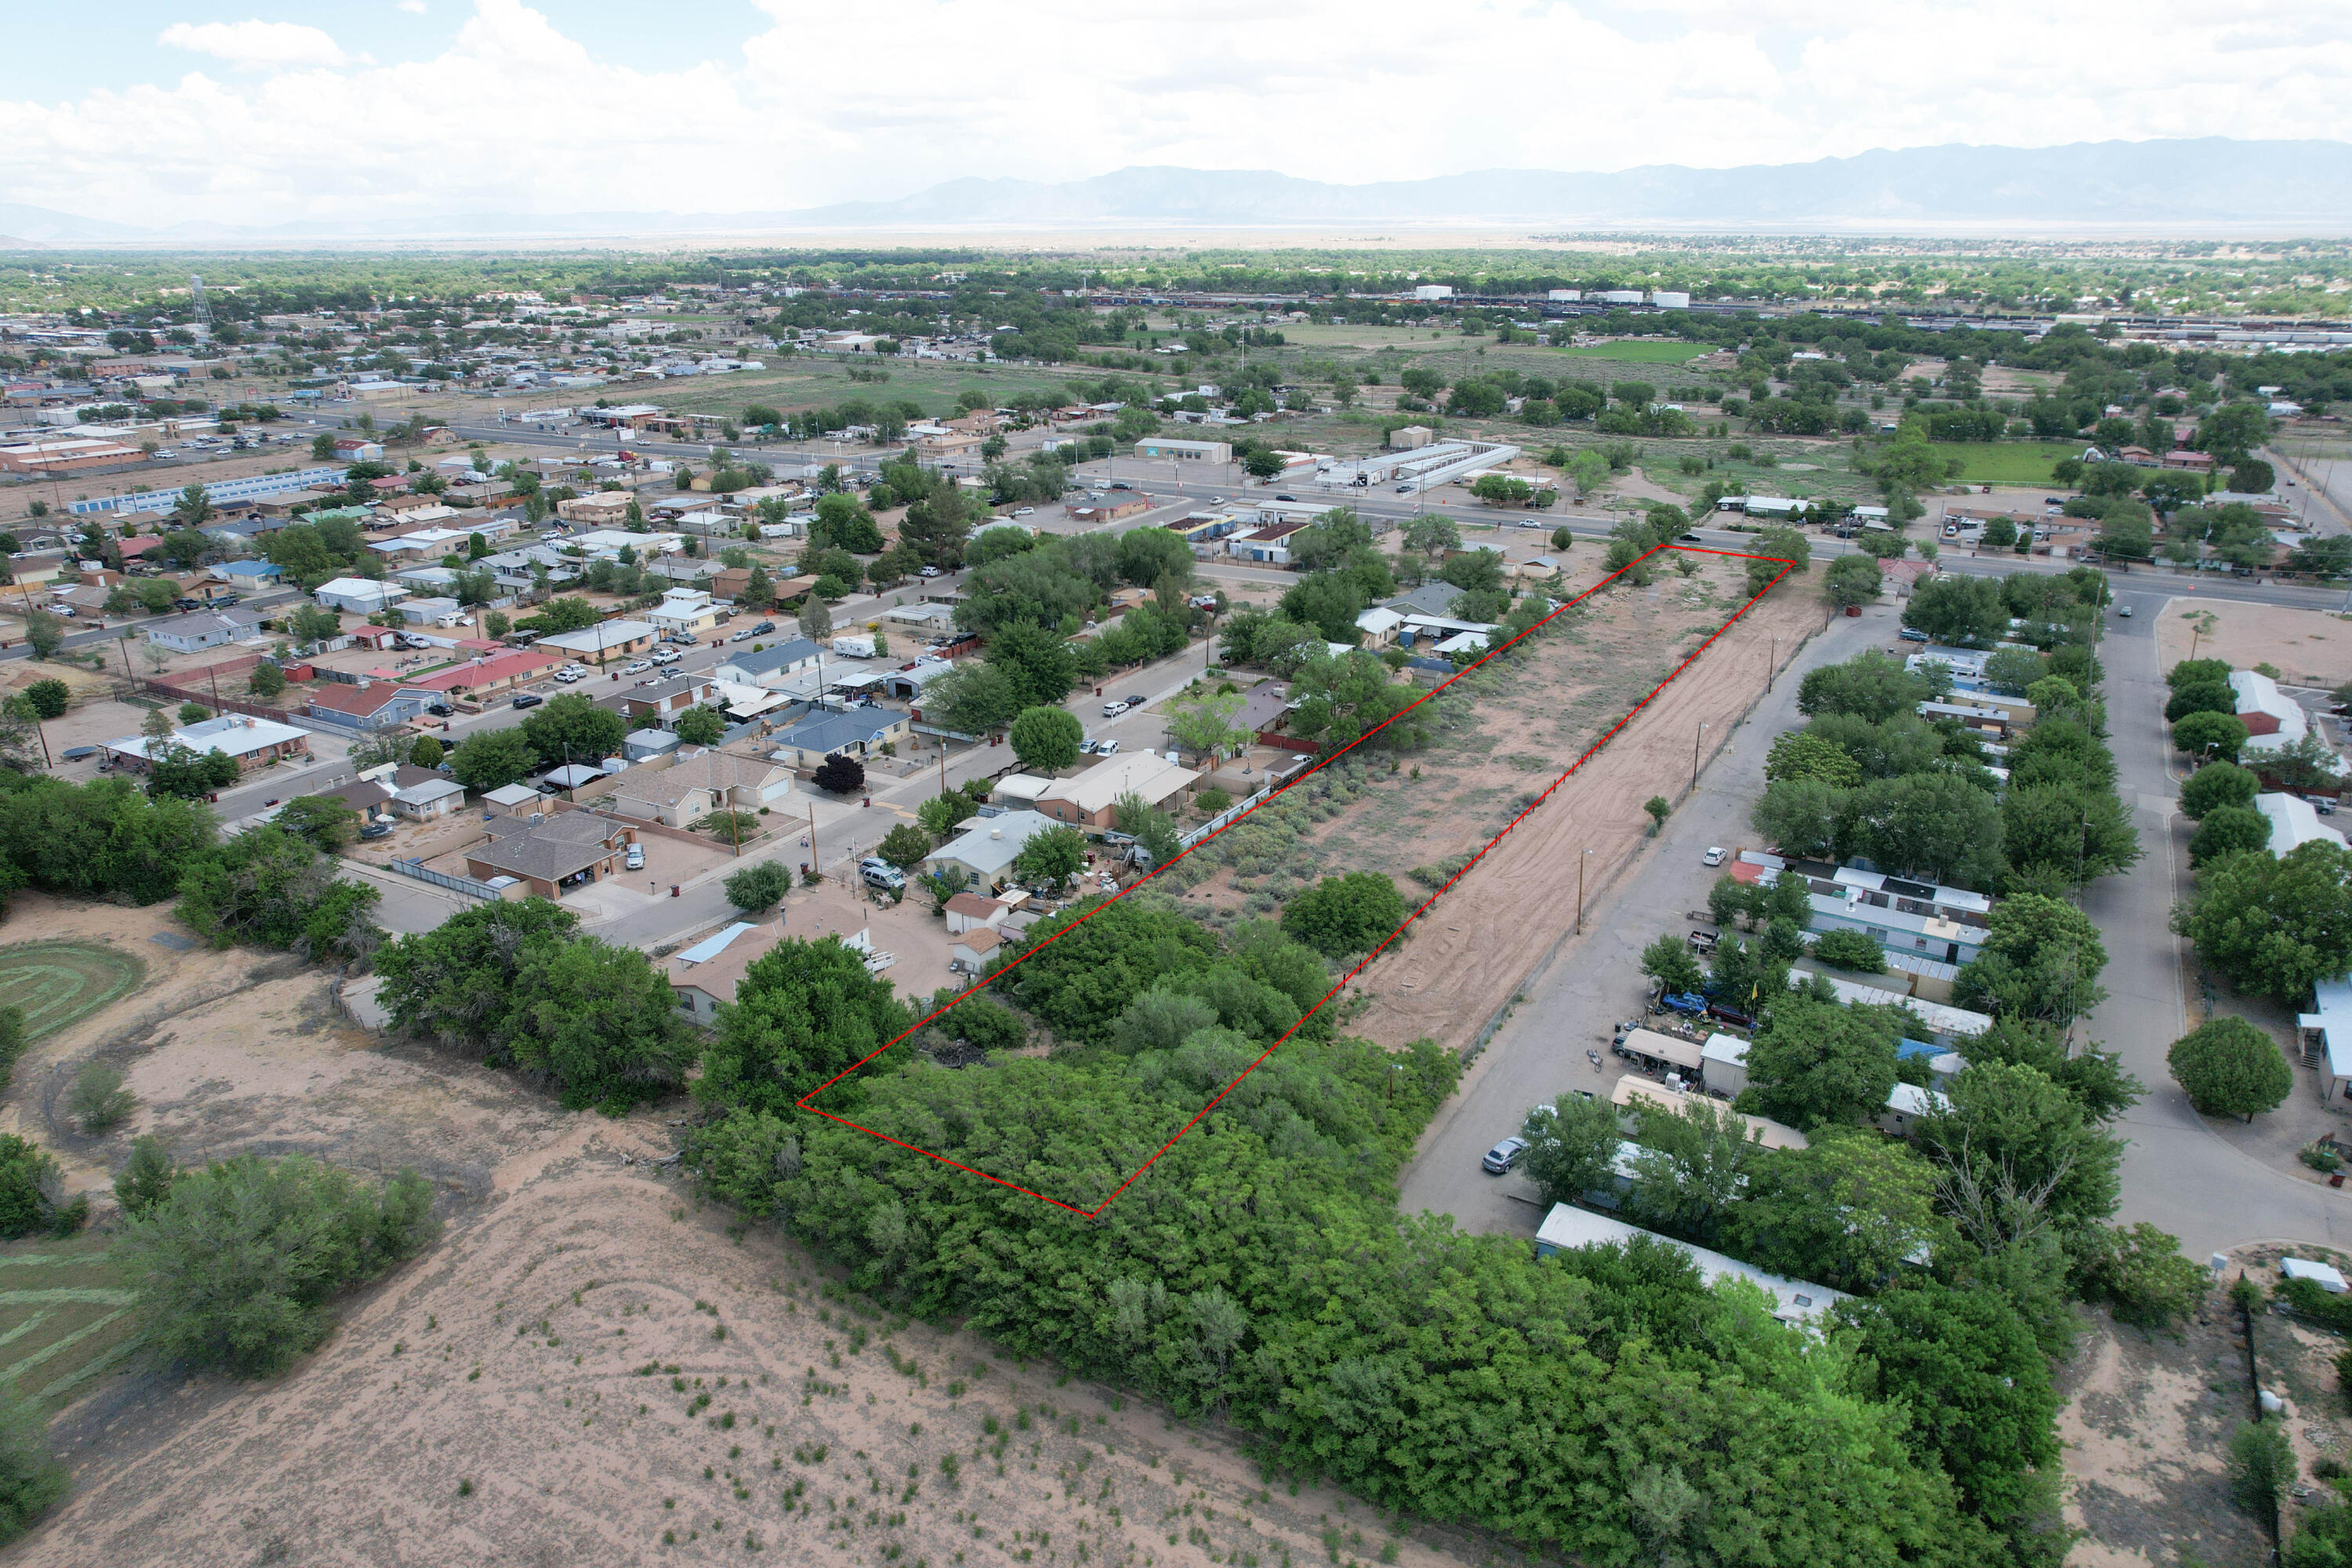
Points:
(223, 493)
(2273, 720)
(2294, 823)
(1168, 448)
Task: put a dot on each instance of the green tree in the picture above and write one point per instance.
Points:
(1800, 816)
(573, 728)
(2273, 925)
(320, 821)
(31, 1188)
(1572, 1147)
(1851, 949)
(2217, 785)
(1813, 1063)
(2039, 959)
(1938, 827)
(310, 623)
(267, 681)
(1869, 686)
(2217, 736)
(1345, 914)
(803, 1013)
(2227, 1067)
(1668, 960)
(1806, 754)
(1037, 662)
(147, 1177)
(1204, 725)
(1659, 808)
(1958, 611)
(1851, 1209)
(426, 752)
(1984, 1409)
(905, 846)
(2009, 1140)
(492, 759)
(1432, 534)
(1852, 580)
(701, 726)
(189, 775)
(759, 886)
(1696, 1164)
(44, 633)
(1045, 740)
(1050, 859)
(98, 1101)
(2228, 830)
(237, 1266)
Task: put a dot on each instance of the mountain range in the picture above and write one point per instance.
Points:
(2206, 184)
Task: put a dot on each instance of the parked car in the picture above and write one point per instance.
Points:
(667, 656)
(1114, 708)
(1106, 748)
(1023, 511)
(1503, 1155)
(743, 636)
(1687, 1001)
(1714, 856)
(886, 876)
(637, 666)
(439, 709)
(1404, 490)
(1136, 701)
(76, 753)
(528, 699)
(1086, 747)
(763, 629)
(376, 830)
(2123, 610)
(929, 571)
(1910, 633)
(567, 676)
(1287, 497)
(634, 861)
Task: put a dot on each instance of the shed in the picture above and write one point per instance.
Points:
(512, 800)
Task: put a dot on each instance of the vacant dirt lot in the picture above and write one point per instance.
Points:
(587, 1367)
(2308, 647)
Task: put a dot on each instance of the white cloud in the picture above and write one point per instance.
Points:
(513, 115)
(413, 7)
(265, 44)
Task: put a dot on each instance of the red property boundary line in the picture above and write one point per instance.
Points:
(1786, 567)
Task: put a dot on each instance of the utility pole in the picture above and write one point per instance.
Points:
(1768, 666)
(1579, 891)
(1695, 741)
(812, 868)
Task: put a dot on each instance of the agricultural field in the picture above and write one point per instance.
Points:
(60, 983)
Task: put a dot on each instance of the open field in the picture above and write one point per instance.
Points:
(2006, 462)
(58, 983)
(1655, 350)
(65, 1317)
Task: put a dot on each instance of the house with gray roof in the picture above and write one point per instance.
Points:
(859, 732)
(203, 629)
(987, 846)
(548, 854)
(772, 666)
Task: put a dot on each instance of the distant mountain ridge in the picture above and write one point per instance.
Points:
(2206, 182)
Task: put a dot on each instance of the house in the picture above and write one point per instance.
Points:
(254, 742)
(548, 854)
(684, 610)
(771, 665)
(1379, 626)
(203, 629)
(2326, 1030)
(743, 703)
(1723, 1063)
(248, 575)
(487, 678)
(1088, 800)
(694, 786)
(1947, 924)
(828, 732)
(427, 799)
(605, 640)
(2265, 710)
(1794, 1302)
(988, 845)
(359, 595)
(970, 952)
(513, 800)
(1905, 1104)
(358, 450)
(605, 508)
(2294, 823)
(2184, 458)
(967, 910)
(704, 976)
(1632, 1091)
(646, 745)
(664, 699)
(369, 706)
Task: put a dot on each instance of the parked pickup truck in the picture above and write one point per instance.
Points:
(1702, 940)
(1724, 1013)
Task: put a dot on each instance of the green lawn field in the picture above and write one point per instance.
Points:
(65, 1317)
(2006, 462)
(61, 982)
(1645, 351)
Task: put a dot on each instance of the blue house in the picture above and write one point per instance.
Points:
(248, 573)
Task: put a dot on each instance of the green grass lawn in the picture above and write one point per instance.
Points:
(1649, 351)
(2007, 462)
(65, 1317)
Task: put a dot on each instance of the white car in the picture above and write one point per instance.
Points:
(1023, 511)
(1106, 748)
(929, 571)
(1114, 708)
(566, 676)
(1714, 857)
(637, 666)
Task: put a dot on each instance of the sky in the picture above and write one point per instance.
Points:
(165, 113)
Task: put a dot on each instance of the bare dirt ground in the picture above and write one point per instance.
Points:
(1498, 739)
(587, 1367)
(1470, 952)
(2308, 647)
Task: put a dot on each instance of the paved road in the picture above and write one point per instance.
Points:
(1595, 980)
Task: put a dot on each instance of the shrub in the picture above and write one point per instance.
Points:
(1209, 802)
(1851, 949)
(2139, 1274)
(2227, 1066)
(1343, 915)
(236, 1267)
(2261, 1466)
(147, 1177)
(97, 1100)
(30, 1188)
(50, 698)
(31, 1479)
(839, 774)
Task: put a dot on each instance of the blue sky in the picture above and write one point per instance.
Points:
(167, 112)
